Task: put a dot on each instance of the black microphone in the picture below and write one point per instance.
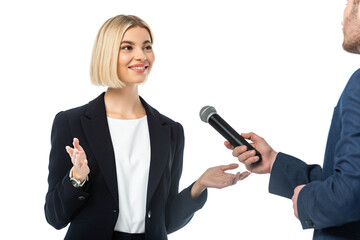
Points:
(208, 114)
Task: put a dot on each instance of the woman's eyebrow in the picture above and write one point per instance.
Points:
(128, 42)
(132, 43)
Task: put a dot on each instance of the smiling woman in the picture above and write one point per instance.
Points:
(122, 182)
(106, 52)
(136, 57)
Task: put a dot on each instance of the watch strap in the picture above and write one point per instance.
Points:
(77, 184)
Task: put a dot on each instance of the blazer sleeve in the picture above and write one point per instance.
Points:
(180, 207)
(62, 199)
(288, 172)
(335, 201)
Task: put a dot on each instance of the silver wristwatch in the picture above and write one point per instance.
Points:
(75, 182)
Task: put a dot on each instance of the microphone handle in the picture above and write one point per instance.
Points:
(230, 134)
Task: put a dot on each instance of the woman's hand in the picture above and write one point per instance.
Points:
(77, 154)
(216, 177)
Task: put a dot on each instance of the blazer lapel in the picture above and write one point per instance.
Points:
(160, 148)
(97, 132)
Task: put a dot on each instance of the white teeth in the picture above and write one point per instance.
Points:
(138, 67)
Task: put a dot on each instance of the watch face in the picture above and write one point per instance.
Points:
(75, 182)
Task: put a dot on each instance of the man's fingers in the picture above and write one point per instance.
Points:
(246, 135)
(228, 145)
(251, 160)
(250, 136)
(246, 155)
(249, 163)
(239, 150)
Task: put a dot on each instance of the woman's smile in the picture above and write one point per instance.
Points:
(139, 68)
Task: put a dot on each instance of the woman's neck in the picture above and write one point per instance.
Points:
(124, 103)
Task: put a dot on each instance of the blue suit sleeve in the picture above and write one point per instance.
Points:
(180, 207)
(289, 172)
(335, 201)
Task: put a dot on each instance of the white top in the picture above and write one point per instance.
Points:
(131, 142)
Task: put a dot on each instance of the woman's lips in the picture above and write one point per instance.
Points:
(139, 68)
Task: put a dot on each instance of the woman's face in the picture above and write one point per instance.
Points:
(136, 56)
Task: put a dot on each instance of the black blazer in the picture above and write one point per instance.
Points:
(93, 212)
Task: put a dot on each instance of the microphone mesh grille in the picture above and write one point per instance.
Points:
(206, 112)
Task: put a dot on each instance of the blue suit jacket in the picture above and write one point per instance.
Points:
(93, 212)
(330, 201)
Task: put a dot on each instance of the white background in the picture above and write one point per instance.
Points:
(273, 67)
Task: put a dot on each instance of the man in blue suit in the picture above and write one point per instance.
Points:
(326, 199)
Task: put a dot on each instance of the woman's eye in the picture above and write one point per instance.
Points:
(126, 48)
(148, 47)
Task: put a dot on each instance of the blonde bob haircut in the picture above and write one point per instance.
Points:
(104, 60)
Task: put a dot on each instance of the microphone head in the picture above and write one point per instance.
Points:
(206, 112)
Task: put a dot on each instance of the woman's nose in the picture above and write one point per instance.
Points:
(140, 55)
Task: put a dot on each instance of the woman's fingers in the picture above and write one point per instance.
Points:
(72, 153)
(244, 175)
(69, 150)
(240, 176)
(229, 167)
(76, 144)
(76, 152)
